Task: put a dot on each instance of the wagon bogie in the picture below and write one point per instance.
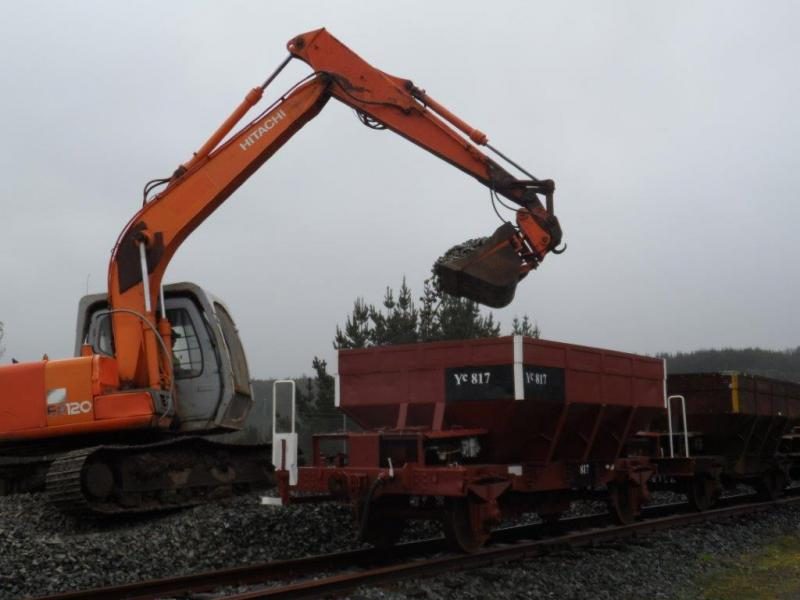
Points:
(382, 521)
(624, 502)
(468, 523)
(771, 484)
(702, 491)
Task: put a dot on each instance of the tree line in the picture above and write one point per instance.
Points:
(436, 317)
(399, 319)
(777, 364)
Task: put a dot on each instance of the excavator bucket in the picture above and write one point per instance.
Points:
(485, 270)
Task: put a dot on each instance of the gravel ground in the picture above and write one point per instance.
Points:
(44, 551)
(664, 566)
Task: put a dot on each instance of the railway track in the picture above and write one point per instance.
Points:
(317, 576)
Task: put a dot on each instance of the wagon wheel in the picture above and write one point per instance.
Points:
(462, 530)
(623, 502)
(770, 486)
(383, 531)
(702, 492)
(383, 527)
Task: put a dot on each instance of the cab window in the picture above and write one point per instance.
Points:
(104, 341)
(187, 357)
(241, 379)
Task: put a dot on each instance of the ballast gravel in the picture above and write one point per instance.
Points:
(44, 552)
(663, 565)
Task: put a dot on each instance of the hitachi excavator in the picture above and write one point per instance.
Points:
(122, 426)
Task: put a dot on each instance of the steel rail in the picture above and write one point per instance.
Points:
(318, 588)
(294, 568)
(508, 544)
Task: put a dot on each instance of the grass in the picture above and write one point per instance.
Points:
(771, 573)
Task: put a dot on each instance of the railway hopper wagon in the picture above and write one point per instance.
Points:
(723, 429)
(470, 432)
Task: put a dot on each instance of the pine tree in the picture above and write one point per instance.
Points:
(429, 327)
(399, 324)
(525, 327)
(325, 388)
(357, 330)
(461, 319)
(439, 317)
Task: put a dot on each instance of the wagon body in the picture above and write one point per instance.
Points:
(739, 417)
(538, 401)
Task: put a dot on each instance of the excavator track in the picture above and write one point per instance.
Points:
(63, 482)
(115, 480)
(23, 473)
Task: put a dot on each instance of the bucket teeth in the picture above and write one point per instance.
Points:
(485, 270)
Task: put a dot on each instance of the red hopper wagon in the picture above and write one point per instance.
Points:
(731, 426)
(469, 432)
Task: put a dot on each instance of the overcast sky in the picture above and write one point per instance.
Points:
(671, 131)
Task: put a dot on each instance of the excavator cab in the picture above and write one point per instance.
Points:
(212, 381)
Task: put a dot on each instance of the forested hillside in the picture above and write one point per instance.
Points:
(769, 363)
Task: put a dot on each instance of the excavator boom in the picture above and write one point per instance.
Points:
(488, 274)
(155, 233)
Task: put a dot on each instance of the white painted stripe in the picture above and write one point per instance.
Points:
(515, 469)
(145, 277)
(519, 381)
(336, 393)
(270, 501)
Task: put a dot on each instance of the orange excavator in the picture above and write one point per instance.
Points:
(122, 427)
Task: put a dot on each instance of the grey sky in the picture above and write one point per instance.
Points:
(671, 130)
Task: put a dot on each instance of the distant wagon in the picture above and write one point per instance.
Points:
(734, 427)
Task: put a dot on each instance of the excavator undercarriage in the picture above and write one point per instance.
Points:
(171, 474)
(113, 479)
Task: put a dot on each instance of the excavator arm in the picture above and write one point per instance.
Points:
(142, 253)
(397, 104)
(487, 273)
